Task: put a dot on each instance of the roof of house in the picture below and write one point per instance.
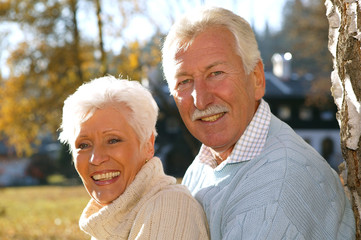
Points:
(295, 87)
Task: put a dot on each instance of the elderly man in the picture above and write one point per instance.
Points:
(254, 176)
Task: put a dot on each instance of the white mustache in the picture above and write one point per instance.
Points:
(211, 110)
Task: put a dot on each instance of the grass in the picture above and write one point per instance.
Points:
(43, 212)
(46, 212)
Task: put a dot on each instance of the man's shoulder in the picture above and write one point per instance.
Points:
(283, 141)
(288, 154)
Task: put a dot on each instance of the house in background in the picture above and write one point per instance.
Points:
(287, 93)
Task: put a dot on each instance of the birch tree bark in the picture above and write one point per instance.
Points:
(344, 18)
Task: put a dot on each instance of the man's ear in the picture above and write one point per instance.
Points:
(259, 81)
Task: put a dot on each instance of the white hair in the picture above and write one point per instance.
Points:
(109, 91)
(186, 29)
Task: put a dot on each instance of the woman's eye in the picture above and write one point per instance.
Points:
(114, 140)
(83, 145)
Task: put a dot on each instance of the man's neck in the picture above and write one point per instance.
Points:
(221, 156)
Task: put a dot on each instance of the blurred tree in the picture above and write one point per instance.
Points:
(305, 27)
(270, 43)
(137, 58)
(305, 34)
(43, 67)
(104, 65)
(50, 62)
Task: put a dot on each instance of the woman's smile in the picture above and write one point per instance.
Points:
(105, 176)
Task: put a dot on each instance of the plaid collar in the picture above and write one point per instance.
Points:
(249, 145)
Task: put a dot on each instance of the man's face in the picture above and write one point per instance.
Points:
(210, 78)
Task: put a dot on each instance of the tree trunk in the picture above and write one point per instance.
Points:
(345, 46)
(78, 62)
(103, 57)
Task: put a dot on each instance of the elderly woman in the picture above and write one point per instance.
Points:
(109, 125)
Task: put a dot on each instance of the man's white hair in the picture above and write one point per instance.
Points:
(186, 29)
(109, 91)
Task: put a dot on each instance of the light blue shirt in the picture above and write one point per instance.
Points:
(288, 191)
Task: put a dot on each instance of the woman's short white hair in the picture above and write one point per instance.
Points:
(186, 29)
(109, 91)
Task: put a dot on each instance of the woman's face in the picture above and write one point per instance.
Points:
(108, 154)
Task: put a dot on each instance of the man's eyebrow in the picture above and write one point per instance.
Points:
(215, 64)
(183, 73)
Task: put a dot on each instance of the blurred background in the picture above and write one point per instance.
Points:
(50, 47)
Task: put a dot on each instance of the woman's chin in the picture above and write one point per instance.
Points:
(105, 197)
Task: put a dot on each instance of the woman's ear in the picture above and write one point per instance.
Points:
(149, 147)
(259, 81)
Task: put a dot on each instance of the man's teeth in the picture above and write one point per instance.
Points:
(212, 118)
(105, 176)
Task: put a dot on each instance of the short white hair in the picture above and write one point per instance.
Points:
(109, 91)
(186, 29)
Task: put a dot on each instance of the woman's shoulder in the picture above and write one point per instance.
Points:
(174, 211)
(175, 191)
(172, 197)
(175, 199)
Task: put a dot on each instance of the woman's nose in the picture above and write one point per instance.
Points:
(98, 156)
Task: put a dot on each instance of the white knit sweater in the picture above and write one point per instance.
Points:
(152, 207)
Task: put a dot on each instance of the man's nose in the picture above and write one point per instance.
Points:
(201, 94)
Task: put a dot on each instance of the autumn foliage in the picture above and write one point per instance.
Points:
(52, 58)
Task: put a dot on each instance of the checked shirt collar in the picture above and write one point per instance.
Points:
(249, 145)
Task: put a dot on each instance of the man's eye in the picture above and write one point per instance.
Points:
(181, 85)
(184, 82)
(216, 73)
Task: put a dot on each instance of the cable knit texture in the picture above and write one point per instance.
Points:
(287, 192)
(152, 207)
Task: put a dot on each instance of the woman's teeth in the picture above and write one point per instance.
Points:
(105, 176)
